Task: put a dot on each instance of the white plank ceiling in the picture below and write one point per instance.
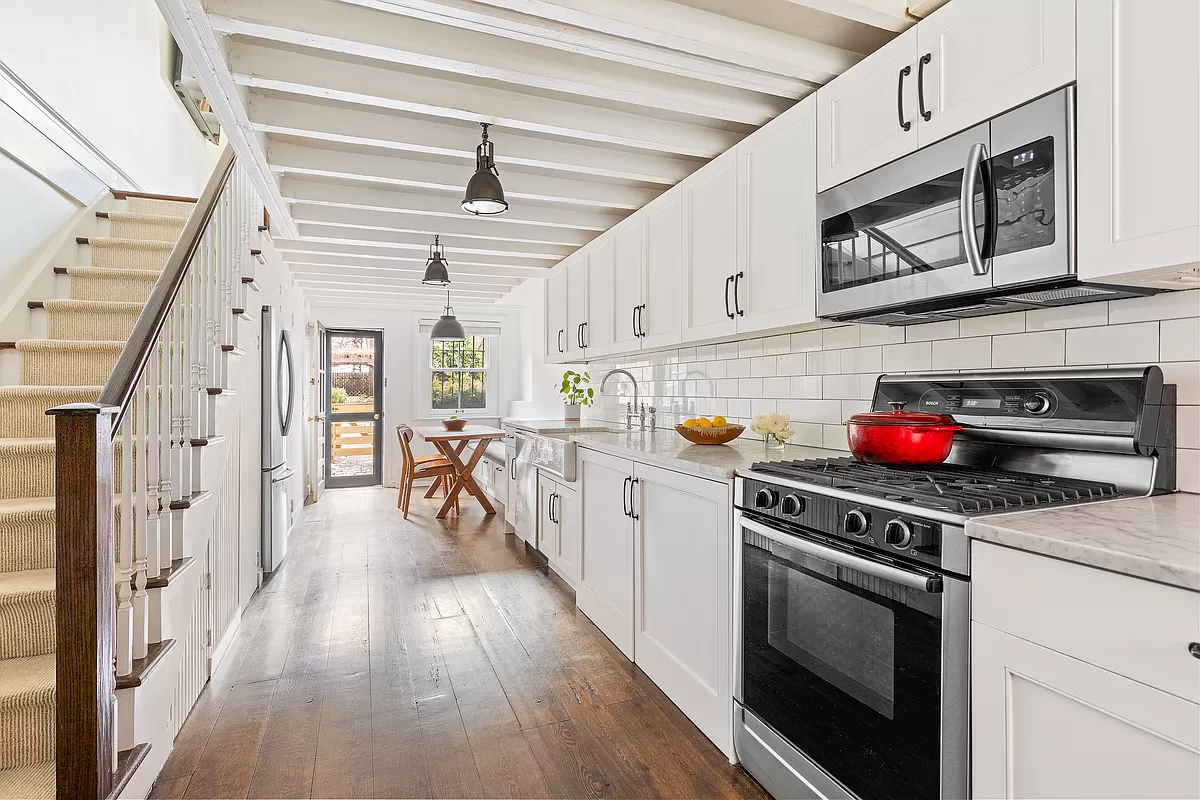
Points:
(361, 117)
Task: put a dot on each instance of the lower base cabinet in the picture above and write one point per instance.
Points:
(559, 527)
(656, 577)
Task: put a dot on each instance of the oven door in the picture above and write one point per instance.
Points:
(854, 670)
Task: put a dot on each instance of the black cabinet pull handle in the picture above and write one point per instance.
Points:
(728, 281)
(586, 335)
(737, 301)
(1194, 649)
(635, 321)
(632, 507)
(550, 507)
(904, 126)
(625, 496)
(642, 322)
(561, 331)
(925, 59)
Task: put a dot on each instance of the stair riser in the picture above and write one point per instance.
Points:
(151, 230)
(81, 326)
(127, 257)
(65, 367)
(145, 205)
(27, 625)
(27, 733)
(25, 417)
(133, 290)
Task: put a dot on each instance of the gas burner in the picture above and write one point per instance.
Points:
(962, 490)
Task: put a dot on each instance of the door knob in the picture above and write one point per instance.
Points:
(376, 416)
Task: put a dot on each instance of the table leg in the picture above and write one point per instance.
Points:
(464, 478)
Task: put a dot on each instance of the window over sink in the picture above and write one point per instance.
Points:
(459, 378)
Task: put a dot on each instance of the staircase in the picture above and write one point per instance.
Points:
(180, 324)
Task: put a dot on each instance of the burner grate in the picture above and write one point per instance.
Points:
(963, 490)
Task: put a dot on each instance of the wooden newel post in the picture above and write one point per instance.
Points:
(85, 600)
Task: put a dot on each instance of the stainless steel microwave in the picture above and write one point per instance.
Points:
(980, 223)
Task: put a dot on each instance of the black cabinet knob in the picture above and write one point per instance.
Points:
(1194, 649)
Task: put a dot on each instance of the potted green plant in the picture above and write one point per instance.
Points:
(575, 393)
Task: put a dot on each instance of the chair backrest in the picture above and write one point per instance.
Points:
(405, 435)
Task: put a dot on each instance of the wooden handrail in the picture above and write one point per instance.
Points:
(119, 389)
(122, 195)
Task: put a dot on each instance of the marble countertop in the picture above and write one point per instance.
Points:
(1157, 538)
(667, 449)
(552, 427)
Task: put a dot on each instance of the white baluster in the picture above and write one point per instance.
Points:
(206, 331)
(151, 475)
(123, 636)
(170, 357)
(141, 623)
(191, 380)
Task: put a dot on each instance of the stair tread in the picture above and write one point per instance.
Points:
(40, 443)
(24, 583)
(29, 781)
(139, 216)
(26, 679)
(68, 344)
(25, 505)
(115, 241)
(89, 305)
(33, 390)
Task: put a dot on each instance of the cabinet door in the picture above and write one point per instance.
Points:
(858, 123)
(710, 249)
(626, 284)
(662, 271)
(777, 218)
(556, 316)
(510, 483)
(1139, 106)
(597, 334)
(1047, 725)
(547, 531)
(982, 58)
(568, 523)
(576, 271)
(605, 589)
(682, 591)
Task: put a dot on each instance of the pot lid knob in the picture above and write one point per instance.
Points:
(897, 406)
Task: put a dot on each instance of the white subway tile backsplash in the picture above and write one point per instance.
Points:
(806, 342)
(1188, 471)
(1081, 316)
(715, 369)
(808, 434)
(834, 437)
(762, 366)
(880, 334)
(776, 345)
(1170, 305)
(1042, 349)
(992, 325)
(791, 364)
(863, 359)
(807, 387)
(726, 387)
(762, 405)
(706, 352)
(913, 357)
(825, 411)
(840, 338)
(750, 387)
(739, 408)
(1113, 344)
(1189, 427)
(826, 362)
(727, 351)
(750, 348)
(738, 368)
(1180, 340)
(779, 388)
(868, 386)
(1186, 377)
(840, 387)
(931, 330)
(973, 353)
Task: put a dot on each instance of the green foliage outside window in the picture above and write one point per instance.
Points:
(459, 374)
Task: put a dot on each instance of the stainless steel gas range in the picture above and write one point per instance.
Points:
(852, 601)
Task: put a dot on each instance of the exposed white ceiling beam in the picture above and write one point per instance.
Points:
(401, 253)
(890, 15)
(350, 125)
(547, 33)
(400, 287)
(443, 206)
(368, 274)
(314, 292)
(465, 227)
(432, 175)
(469, 55)
(453, 245)
(690, 30)
(303, 74)
(366, 303)
(305, 261)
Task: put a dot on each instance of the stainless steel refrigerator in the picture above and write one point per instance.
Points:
(278, 405)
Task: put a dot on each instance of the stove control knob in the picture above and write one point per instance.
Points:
(856, 523)
(766, 499)
(1036, 404)
(897, 534)
(793, 505)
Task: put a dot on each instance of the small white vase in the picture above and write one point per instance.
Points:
(570, 412)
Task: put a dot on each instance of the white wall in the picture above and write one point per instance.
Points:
(32, 211)
(105, 66)
(535, 395)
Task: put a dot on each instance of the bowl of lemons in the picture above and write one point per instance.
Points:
(702, 430)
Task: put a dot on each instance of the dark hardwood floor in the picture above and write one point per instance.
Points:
(430, 658)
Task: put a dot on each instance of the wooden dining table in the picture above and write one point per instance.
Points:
(452, 444)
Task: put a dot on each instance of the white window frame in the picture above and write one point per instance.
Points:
(424, 388)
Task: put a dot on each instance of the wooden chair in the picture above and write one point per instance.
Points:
(412, 468)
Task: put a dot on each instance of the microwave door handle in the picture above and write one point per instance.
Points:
(913, 580)
(966, 209)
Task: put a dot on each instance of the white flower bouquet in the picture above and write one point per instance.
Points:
(774, 428)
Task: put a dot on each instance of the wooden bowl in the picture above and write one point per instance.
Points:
(454, 424)
(710, 435)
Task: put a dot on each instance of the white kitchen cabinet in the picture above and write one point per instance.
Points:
(559, 527)
(777, 221)
(979, 58)
(1138, 101)
(627, 284)
(598, 330)
(556, 316)
(709, 249)
(575, 267)
(662, 272)
(859, 124)
(1048, 725)
(604, 591)
(682, 594)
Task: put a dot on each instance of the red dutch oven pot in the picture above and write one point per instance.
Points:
(901, 438)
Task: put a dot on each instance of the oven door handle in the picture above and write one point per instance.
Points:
(913, 580)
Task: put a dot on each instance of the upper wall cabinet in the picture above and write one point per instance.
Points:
(777, 222)
(598, 330)
(1139, 145)
(662, 274)
(575, 268)
(556, 315)
(866, 115)
(710, 250)
(625, 296)
(979, 58)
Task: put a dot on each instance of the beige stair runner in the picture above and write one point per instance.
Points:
(86, 334)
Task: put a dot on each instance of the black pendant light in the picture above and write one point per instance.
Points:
(485, 195)
(436, 271)
(448, 328)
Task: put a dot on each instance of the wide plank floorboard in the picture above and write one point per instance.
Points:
(430, 658)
